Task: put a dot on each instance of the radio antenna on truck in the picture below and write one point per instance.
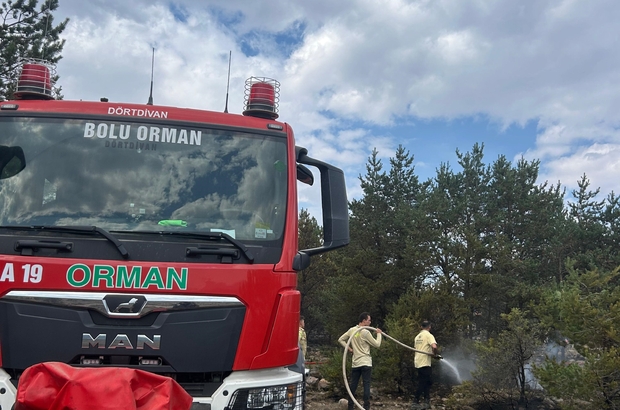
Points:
(228, 81)
(152, 70)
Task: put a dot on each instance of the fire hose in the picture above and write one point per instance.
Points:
(346, 349)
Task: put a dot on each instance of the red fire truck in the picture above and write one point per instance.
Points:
(157, 238)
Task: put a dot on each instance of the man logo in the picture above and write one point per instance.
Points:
(129, 305)
(121, 341)
(124, 305)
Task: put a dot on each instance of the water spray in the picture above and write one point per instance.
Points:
(346, 349)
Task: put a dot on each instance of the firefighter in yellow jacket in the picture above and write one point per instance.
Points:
(424, 342)
(362, 361)
(303, 341)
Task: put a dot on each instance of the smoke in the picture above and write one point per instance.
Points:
(459, 363)
(557, 352)
(530, 380)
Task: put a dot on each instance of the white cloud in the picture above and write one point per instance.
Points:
(371, 62)
(600, 162)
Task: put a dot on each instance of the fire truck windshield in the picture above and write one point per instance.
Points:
(136, 176)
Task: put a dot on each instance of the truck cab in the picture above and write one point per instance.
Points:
(156, 238)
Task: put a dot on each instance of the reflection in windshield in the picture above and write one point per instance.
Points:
(130, 176)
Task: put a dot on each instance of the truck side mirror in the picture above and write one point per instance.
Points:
(12, 161)
(335, 209)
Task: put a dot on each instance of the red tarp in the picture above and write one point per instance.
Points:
(57, 386)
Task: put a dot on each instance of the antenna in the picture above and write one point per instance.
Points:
(47, 23)
(228, 82)
(152, 69)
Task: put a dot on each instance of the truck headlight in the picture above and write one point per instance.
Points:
(284, 397)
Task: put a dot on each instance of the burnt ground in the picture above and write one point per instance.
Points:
(321, 400)
(318, 400)
(325, 400)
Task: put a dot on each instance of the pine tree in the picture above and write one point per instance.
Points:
(27, 31)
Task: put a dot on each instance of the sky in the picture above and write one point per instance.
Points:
(537, 79)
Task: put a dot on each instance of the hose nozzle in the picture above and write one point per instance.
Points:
(438, 357)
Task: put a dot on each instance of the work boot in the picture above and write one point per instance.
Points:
(366, 405)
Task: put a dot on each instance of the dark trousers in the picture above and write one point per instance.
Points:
(363, 372)
(425, 381)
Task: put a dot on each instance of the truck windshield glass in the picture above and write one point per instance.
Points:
(136, 177)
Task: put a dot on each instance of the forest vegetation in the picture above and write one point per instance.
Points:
(500, 264)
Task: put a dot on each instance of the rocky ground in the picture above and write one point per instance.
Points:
(320, 396)
(318, 400)
(320, 393)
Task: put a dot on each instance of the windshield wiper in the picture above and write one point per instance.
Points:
(87, 230)
(201, 235)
